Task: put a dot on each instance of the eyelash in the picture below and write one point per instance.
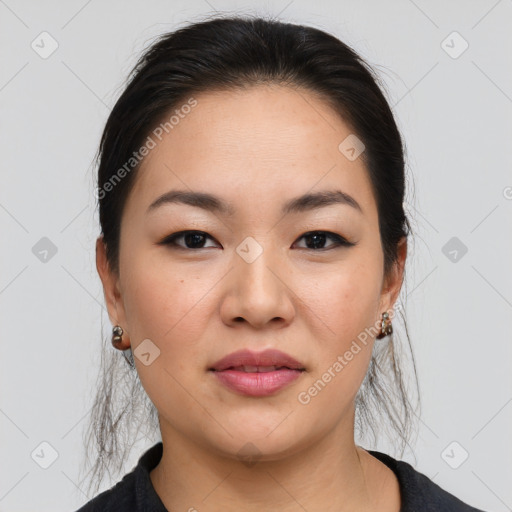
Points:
(339, 240)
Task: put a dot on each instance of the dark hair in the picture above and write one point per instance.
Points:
(238, 52)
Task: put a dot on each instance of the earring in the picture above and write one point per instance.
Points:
(386, 327)
(117, 338)
(117, 335)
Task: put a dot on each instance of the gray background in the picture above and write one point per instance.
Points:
(454, 112)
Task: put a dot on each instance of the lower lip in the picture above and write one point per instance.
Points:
(257, 384)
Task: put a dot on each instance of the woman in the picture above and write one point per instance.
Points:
(251, 187)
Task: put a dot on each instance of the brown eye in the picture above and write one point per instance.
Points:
(192, 239)
(316, 239)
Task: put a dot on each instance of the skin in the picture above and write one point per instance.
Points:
(255, 149)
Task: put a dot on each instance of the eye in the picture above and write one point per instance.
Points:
(196, 240)
(316, 238)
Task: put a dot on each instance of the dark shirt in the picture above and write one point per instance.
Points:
(135, 492)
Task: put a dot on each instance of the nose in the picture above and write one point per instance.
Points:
(258, 293)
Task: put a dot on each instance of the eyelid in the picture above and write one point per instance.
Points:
(169, 239)
(339, 240)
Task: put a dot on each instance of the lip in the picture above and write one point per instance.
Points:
(259, 382)
(269, 357)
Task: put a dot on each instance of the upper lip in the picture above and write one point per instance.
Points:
(269, 357)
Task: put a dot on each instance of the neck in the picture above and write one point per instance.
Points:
(329, 474)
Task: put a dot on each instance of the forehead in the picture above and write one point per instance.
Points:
(263, 143)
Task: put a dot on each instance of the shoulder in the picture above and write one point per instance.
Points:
(121, 497)
(418, 492)
(134, 492)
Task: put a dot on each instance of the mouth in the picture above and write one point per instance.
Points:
(257, 362)
(258, 369)
(257, 374)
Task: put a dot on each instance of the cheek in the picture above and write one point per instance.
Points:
(345, 301)
(346, 306)
(168, 308)
(165, 305)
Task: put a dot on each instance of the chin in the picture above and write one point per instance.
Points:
(249, 444)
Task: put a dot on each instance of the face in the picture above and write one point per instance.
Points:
(306, 281)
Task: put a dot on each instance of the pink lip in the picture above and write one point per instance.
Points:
(259, 383)
(269, 357)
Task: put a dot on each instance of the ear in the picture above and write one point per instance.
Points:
(111, 291)
(393, 282)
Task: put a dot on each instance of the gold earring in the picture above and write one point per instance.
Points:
(386, 328)
(117, 336)
(117, 339)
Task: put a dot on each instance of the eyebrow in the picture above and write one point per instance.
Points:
(210, 202)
